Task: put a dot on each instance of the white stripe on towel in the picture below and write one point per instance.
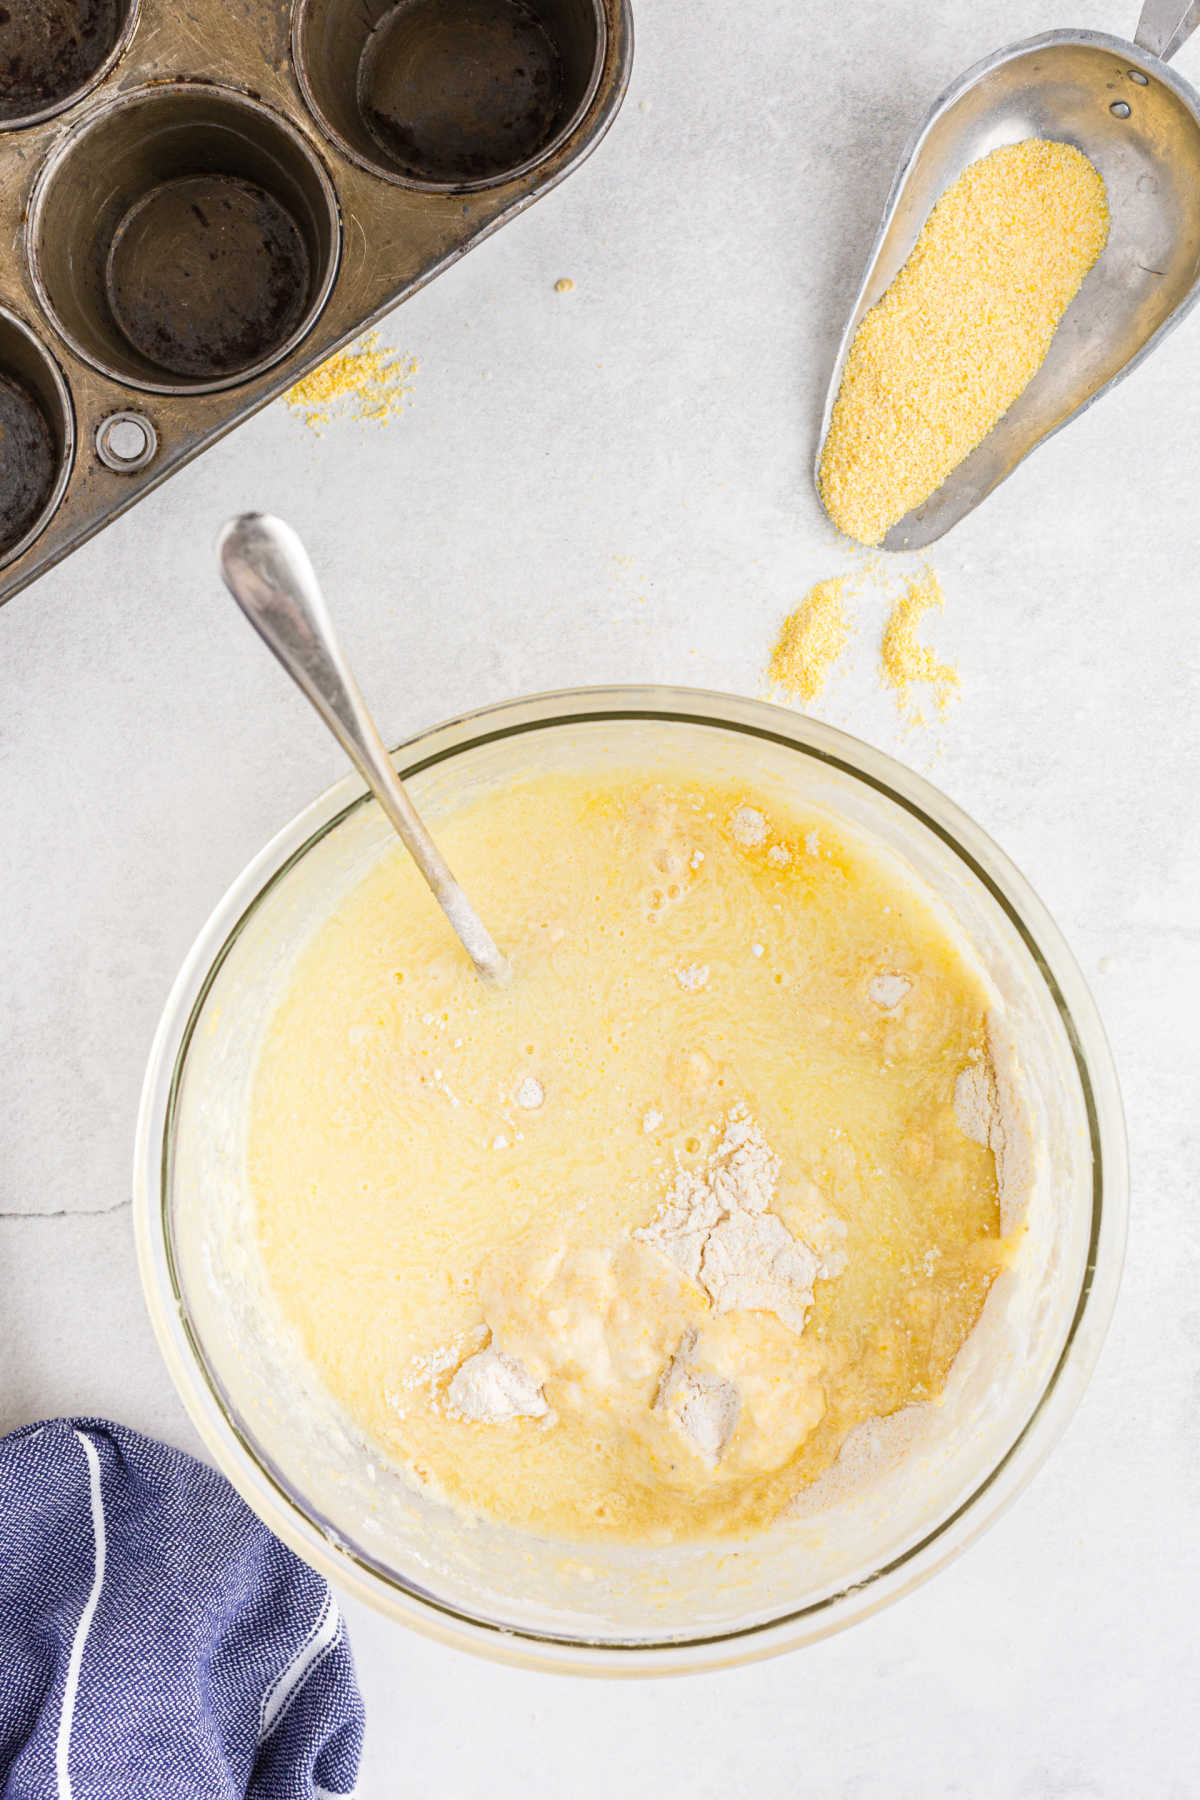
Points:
(321, 1793)
(323, 1636)
(62, 1749)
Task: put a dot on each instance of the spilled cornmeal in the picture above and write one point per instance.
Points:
(629, 1249)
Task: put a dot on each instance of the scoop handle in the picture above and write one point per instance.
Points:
(1165, 25)
(267, 570)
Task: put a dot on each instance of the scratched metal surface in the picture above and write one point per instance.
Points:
(394, 239)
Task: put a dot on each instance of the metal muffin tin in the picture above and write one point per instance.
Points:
(202, 203)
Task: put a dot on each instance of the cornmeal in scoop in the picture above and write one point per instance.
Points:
(962, 330)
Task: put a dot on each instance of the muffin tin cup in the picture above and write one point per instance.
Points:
(449, 96)
(204, 204)
(37, 437)
(183, 239)
(53, 52)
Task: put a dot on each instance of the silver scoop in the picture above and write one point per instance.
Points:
(1139, 123)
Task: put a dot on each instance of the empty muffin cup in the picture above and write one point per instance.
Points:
(183, 238)
(37, 436)
(449, 95)
(52, 51)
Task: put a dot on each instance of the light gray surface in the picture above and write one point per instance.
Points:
(611, 485)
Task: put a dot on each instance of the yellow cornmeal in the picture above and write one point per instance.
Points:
(905, 662)
(365, 380)
(811, 641)
(961, 331)
(432, 1160)
(814, 637)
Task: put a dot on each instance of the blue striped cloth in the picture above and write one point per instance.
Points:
(156, 1641)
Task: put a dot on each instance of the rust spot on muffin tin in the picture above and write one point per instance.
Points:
(37, 436)
(451, 96)
(206, 274)
(460, 94)
(53, 51)
(209, 201)
(183, 237)
(26, 460)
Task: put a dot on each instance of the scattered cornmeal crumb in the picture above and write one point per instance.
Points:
(366, 381)
(961, 331)
(905, 662)
(812, 640)
(565, 286)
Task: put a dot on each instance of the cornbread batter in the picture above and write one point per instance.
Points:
(628, 1248)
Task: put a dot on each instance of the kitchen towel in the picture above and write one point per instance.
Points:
(156, 1641)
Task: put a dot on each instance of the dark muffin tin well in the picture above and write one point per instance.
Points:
(205, 202)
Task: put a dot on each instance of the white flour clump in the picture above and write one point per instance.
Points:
(989, 1112)
(491, 1388)
(887, 991)
(715, 1225)
(692, 976)
(703, 1407)
(975, 1107)
(748, 826)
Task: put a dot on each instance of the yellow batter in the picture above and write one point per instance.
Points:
(629, 1248)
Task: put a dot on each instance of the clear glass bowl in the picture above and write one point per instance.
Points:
(917, 1493)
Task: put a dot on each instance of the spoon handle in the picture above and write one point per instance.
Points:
(268, 572)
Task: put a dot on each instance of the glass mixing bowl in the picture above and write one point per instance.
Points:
(904, 1498)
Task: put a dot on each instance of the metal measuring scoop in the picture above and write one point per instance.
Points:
(268, 572)
(1139, 123)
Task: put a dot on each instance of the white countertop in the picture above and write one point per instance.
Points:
(612, 485)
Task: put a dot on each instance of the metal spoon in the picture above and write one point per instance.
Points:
(268, 572)
(1140, 125)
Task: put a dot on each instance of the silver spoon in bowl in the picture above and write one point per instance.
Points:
(267, 570)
